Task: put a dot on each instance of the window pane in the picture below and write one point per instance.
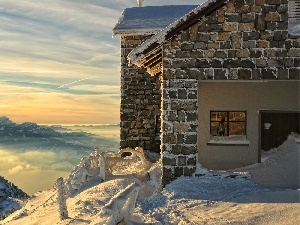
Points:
(217, 116)
(237, 128)
(237, 116)
(214, 126)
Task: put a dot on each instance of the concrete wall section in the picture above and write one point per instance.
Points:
(240, 96)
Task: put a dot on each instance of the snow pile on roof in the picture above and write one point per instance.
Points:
(150, 19)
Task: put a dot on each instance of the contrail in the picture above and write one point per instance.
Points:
(75, 82)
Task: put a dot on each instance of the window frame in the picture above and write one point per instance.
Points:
(228, 121)
(293, 15)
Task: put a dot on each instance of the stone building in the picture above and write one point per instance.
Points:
(229, 61)
(140, 93)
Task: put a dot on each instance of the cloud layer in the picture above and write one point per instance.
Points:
(59, 62)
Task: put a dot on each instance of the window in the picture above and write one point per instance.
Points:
(227, 123)
(294, 18)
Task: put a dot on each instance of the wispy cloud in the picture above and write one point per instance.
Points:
(74, 82)
(59, 60)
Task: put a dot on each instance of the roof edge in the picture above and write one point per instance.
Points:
(136, 32)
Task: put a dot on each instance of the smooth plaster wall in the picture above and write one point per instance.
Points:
(240, 95)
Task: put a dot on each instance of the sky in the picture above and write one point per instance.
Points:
(59, 63)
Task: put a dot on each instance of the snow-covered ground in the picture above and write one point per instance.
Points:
(209, 197)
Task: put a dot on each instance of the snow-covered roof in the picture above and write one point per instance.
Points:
(150, 19)
(174, 28)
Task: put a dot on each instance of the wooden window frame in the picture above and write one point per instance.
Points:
(228, 120)
(293, 15)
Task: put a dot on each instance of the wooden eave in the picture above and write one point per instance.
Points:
(152, 55)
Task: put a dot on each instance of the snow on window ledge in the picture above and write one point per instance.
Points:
(229, 140)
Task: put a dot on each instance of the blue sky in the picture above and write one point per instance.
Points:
(59, 62)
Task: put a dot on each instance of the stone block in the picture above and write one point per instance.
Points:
(233, 74)
(220, 54)
(232, 53)
(256, 9)
(167, 172)
(242, 53)
(209, 74)
(181, 127)
(265, 35)
(236, 39)
(233, 17)
(275, 63)
(217, 63)
(230, 8)
(243, 9)
(196, 54)
(259, 2)
(191, 161)
(209, 53)
(289, 62)
(294, 52)
(248, 17)
(294, 74)
(200, 45)
(255, 53)
(192, 94)
(225, 45)
(189, 150)
(212, 45)
(273, 16)
(214, 27)
(273, 2)
(230, 26)
(180, 138)
(282, 8)
(248, 63)
(224, 36)
(220, 74)
(244, 74)
(296, 62)
(246, 26)
(181, 161)
(282, 74)
(256, 74)
(186, 46)
(169, 138)
(169, 161)
(189, 171)
(178, 171)
(262, 44)
(260, 24)
(192, 116)
(182, 93)
(268, 74)
(191, 139)
(203, 63)
(176, 149)
(231, 63)
(194, 73)
(204, 37)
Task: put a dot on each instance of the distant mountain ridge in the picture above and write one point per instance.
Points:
(27, 129)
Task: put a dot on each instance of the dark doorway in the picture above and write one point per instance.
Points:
(276, 126)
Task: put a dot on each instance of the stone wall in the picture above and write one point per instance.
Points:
(244, 40)
(140, 102)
